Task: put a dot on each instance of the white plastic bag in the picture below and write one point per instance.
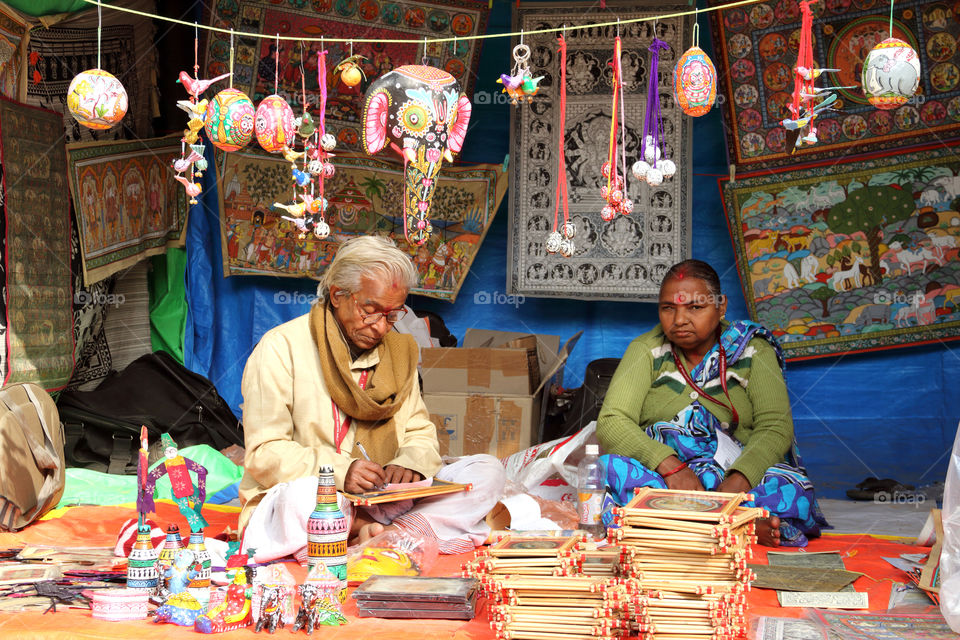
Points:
(950, 554)
(535, 468)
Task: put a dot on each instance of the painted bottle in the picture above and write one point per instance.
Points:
(328, 529)
(142, 561)
(199, 586)
(168, 553)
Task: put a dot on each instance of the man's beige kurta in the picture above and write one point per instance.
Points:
(288, 419)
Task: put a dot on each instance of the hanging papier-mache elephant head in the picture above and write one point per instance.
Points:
(421, 113)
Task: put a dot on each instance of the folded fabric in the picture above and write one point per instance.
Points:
(84, 486)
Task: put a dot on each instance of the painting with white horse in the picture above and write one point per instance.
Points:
(860, 255)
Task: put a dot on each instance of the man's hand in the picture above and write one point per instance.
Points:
(683, 480)
(363, 475)
(394, 473)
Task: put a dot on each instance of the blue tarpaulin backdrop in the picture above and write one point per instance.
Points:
(887, 414)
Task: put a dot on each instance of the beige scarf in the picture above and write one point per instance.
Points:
(372, 409)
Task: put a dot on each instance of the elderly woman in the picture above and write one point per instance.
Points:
(699, 403)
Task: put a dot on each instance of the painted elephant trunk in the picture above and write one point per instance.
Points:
(421, 113)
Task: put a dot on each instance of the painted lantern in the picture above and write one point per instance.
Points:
(421, 112)
(97, 99)
(274, 124)
(229, 121)
(891, 74)
(695, 82)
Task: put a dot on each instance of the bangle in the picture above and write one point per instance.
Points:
(679, 467)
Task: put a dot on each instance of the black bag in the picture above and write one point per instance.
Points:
(102, 427)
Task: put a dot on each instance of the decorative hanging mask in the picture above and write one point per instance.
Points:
(420, 112)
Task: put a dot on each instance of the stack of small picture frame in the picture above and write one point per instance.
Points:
(689, 550)
(544, 588)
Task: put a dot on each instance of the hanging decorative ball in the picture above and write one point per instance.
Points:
(328, 169)
(229, 121)
(604, 191)
(695, 82)
(654, 177)
(315, 167)
(891, 74)
(553, 242)
(328, 142)
(97, 99)
(639, 169)
(568, 229)
(608, 213)
(274, 123)
(668, 167)
(351, 75)
(321, 230)
(616, 196)
(566, 247)
(605, 169)
(651, 153)
(626, 207)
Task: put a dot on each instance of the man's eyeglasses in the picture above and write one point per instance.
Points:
(392, 316)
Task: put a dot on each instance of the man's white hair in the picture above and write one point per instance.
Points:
(374, 257)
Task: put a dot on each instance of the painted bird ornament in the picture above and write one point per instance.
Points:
(196, 86)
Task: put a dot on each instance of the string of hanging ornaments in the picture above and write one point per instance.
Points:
(399, 110)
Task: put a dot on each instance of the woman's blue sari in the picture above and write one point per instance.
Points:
(785, 490)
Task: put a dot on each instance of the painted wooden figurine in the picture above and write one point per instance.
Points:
(188, 496)
(235, 612)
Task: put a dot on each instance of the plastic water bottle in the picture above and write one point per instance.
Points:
(591, 482)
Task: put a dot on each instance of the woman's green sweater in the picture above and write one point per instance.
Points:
(647, 388)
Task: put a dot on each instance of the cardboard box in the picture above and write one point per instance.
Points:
(464, 370)
(500, 416)
(482, 423)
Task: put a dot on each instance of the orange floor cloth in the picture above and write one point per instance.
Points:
(98, 526)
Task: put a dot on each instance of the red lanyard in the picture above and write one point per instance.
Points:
(723, 382)
(340, 428)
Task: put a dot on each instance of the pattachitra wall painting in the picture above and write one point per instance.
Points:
(853, 255)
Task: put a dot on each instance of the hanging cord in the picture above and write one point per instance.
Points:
(652, 124)
(196, 57)
(322, 83)
(804, 56)
(276, 66)
(696, 28)
(891, 18)
(561, 192)
(99, 30)
(623, 128)
(231, 58)
(488, 36)
(612, 149)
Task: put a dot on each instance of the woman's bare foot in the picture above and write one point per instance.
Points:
(768, 531)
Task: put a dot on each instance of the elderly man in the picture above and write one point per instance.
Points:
(338, 387)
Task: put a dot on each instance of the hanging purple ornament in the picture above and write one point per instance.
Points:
(652, 145)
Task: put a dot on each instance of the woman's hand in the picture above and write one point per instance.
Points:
(683, 480)
(736, 482)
